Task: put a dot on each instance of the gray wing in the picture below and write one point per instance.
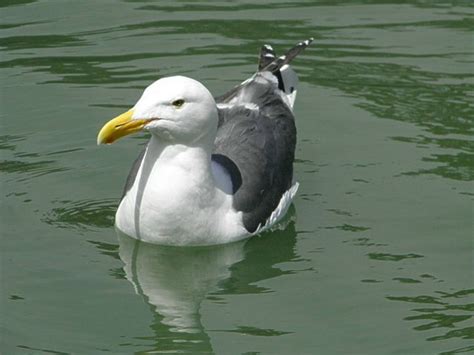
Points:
(257, 135)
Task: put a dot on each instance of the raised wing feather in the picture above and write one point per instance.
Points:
(257, 133)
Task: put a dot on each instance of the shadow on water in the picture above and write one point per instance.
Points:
(261, 254)
(174, 281)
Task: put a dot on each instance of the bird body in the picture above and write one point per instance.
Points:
(183, 197)
(214, 170)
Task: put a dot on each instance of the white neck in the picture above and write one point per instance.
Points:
(175, 184)
(189, 160)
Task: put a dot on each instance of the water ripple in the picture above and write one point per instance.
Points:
(245, 330)
(450, 313)
(33, 169)
(39, 41)
(83, 214)
(7, 3)
(228, 7)
(7, 141)
(392, 257)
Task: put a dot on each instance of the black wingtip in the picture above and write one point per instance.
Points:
(276, 63)
(267, 55)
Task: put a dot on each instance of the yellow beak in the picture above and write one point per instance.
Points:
(120, 126)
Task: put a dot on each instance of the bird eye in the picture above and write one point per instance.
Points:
(178, 103)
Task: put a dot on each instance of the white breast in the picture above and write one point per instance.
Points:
(177, 201)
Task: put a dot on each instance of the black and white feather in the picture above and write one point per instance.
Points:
(257, 135)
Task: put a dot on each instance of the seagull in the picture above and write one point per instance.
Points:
(215, 170)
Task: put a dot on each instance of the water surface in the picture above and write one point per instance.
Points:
(376, 255)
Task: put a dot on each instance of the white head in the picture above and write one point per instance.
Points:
(175, 109)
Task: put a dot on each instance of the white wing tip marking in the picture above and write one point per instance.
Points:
(280, 211)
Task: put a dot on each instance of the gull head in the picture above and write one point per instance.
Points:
(174, 109)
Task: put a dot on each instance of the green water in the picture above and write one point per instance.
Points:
(377, 256)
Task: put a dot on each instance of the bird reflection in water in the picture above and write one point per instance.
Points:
(175, 280)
